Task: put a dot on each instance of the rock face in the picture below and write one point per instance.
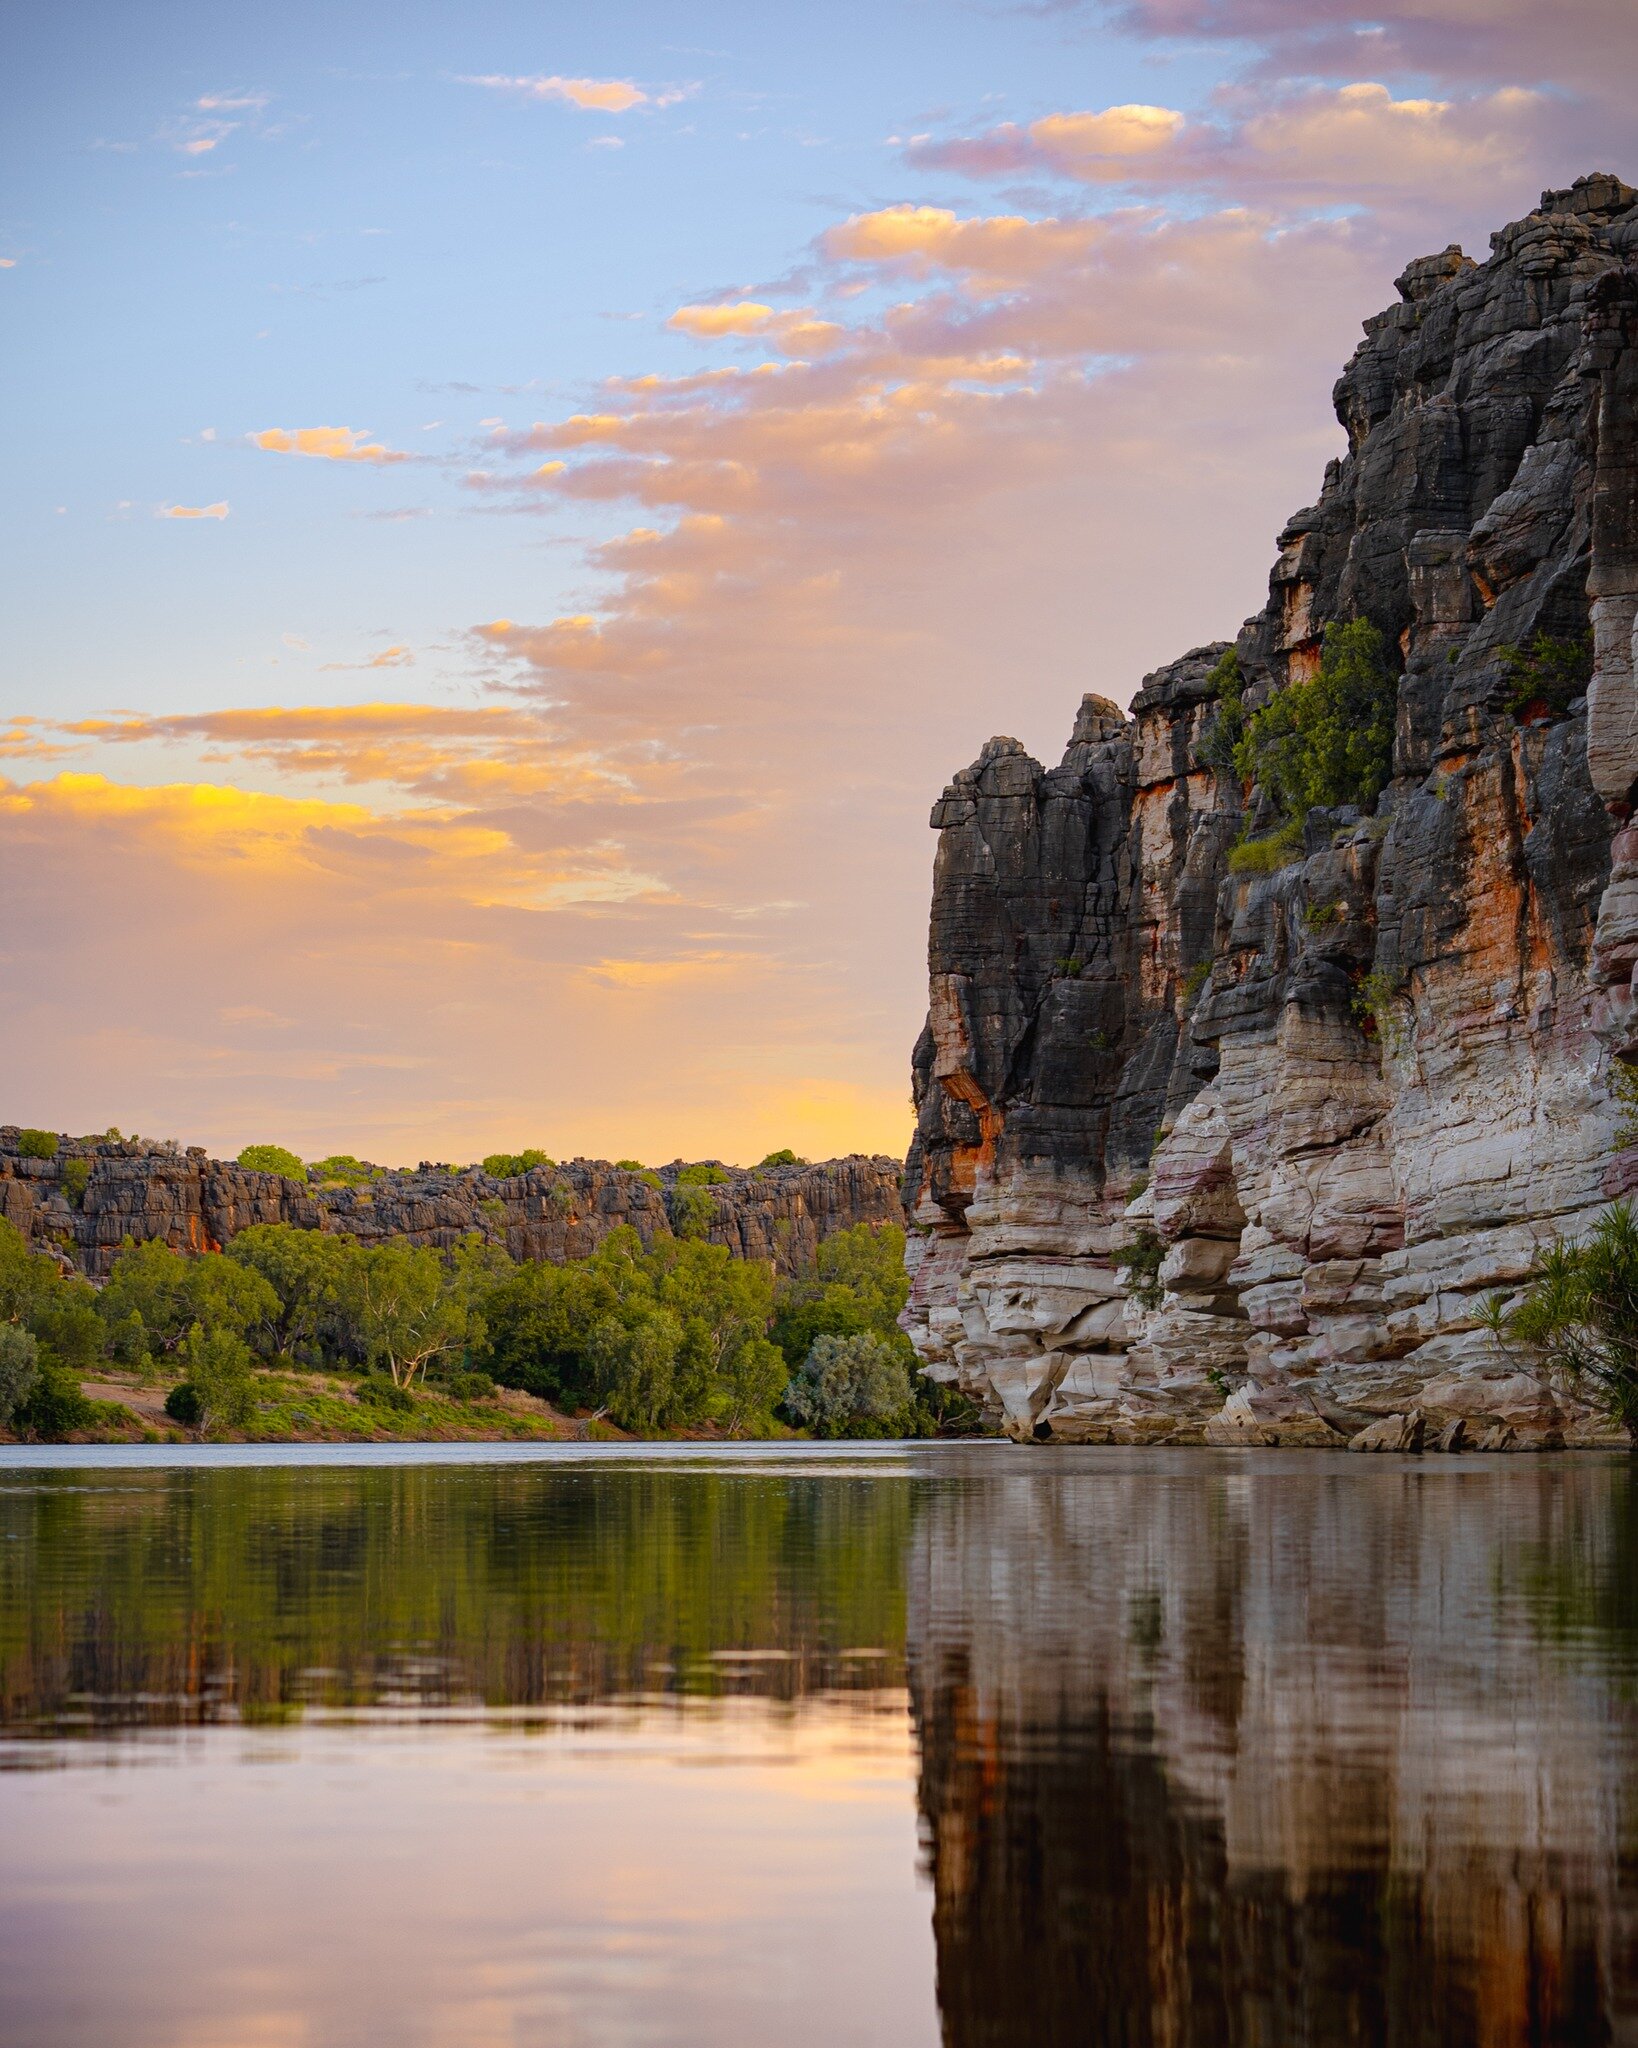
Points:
(194, 1203)
(1374, 1080)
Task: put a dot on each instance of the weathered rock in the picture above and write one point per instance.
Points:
(1374, 1081)
(1392, 1433)
(138, 1190)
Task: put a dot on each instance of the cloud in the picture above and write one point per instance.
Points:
(663, 885)
(389, 657)
(330, 444)
(1098, 147)
(217, 511)
(600, 95)
(330, 970)
(1302, 145)
(1587, 44)
(8, 262)
(743, 316)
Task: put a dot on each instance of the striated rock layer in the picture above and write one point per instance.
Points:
(139, 1190)
(1350, 1097)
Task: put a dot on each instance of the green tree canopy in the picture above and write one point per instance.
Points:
(405, 1313)
(852, 1386)
(172, 1291)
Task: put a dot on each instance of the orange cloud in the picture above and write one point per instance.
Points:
(330, 444)
(743, 316)
(602, 95)
(217, 511)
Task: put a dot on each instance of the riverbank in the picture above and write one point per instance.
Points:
(320, 1407)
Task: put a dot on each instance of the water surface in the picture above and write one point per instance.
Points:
(987, 1745)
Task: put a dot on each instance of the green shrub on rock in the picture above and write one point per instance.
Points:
(271, 1159)
(37, 1144)
(1546, 674)
(1580, 1311)
(509, 1165)
(1266, 856)
(1329, 740)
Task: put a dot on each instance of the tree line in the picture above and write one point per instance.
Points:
(675, 1335)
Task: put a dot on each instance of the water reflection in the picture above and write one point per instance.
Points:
(168, 1597)
(1239, 1749)
(1281, 1751)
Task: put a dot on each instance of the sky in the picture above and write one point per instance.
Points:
(514, 512)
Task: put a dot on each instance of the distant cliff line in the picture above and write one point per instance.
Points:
(91, 1194)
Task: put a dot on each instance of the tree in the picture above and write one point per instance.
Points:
(272, 1159)
(28, 1279)
(306, 1270)
(405, 1313)
(852, 1386)
(727, 1295)
(634, 1366)
(1580, 1310)
(19, 1368)
(753, 1377)
(172, 1291)
(538, 1323)
(216, 1365)
(783, 1157)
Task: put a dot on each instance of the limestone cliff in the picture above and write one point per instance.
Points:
(134, 1189)
(1373, 1081)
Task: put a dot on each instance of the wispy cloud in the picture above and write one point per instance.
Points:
(389, 657)
(217, 511)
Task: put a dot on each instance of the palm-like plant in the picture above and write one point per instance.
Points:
(1580, 1312)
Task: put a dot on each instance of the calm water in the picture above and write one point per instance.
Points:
(980, 1744)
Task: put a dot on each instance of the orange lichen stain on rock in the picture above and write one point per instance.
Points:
(199, 1238)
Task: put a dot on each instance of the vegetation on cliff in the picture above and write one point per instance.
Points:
(1579, 1314)
(1329, 740)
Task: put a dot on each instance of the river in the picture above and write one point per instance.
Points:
(981, 1744)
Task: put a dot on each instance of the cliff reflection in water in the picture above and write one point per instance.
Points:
(1280, 1751)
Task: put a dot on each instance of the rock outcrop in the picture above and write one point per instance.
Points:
(94, 1194)
(1372, 1080)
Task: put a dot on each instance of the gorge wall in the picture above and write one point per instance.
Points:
(138, 1190)
(1351, 1097)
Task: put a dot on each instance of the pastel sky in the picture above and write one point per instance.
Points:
(514, 511)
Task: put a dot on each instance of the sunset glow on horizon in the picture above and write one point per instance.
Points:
(514, 515)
